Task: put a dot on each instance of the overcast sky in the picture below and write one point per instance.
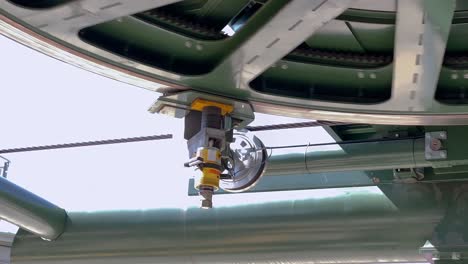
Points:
(45, 101)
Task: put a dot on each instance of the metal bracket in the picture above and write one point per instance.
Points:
(435, 145)
(422, 30)
(178, 105)
(4, 168)
(444, 257)
(408, 175)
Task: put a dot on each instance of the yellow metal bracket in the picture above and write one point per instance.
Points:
(198, 105)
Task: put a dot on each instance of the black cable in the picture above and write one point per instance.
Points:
(294, 125)
(86, 144)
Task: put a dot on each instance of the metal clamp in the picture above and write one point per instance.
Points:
(179, 104)
(435, 147)
(4, 168)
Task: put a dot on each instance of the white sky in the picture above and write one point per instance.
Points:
(45, 101)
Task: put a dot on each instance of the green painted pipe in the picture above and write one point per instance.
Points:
(369, 156)
(30, 212)
(407, 153)
(358, 225)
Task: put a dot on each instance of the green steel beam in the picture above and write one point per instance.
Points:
(348, 179)
(310, 181)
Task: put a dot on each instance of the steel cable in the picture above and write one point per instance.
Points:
(86, 144)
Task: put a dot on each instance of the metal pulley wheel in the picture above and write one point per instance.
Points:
(246, 163)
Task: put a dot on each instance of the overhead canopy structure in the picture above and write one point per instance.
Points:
(362, 61)
(402, 63)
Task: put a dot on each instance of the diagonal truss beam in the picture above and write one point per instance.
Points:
(79, 14)
(422, 29)
(291, 26)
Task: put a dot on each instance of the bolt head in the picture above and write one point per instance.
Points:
(443, 135)
(436, 144)
(443, 155)
(206, 204)
(206, 197)
(456, 255)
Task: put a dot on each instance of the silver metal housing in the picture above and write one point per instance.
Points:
(249, 158)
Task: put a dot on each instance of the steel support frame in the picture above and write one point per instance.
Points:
(391, 112)
(67, 19)
(63, 23)
(422, 30)
(291, 26)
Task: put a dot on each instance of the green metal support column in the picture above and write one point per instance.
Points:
(30, 211)
(343, 225)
